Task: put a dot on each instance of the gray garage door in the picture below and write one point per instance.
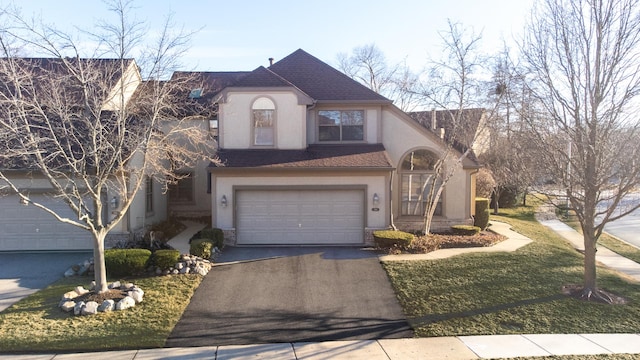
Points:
(300, 217)
(29, 228)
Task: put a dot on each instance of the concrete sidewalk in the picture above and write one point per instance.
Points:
(605, 256)
(452, 348)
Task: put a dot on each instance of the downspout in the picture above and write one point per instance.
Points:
(391, 223)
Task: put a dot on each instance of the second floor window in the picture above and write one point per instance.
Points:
(263, 118)
(340, 125)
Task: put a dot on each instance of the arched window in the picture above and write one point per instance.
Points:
(263, 119)
(417, 179)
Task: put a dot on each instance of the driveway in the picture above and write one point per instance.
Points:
(271, 295)
(22, 274)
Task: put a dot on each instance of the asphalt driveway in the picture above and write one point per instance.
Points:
(271, 295)
(22, 274)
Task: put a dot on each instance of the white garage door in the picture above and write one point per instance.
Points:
(300, 217)
(27, 228)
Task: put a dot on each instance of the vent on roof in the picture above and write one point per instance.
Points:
(195, 93)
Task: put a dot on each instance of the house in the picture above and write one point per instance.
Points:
(308, 156)
(24, 226)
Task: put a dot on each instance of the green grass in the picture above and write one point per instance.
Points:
(510, 293)
(36, 323)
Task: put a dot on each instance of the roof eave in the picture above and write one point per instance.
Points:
(303, 99)
(292, 168)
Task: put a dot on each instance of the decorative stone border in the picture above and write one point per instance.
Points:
(68, 303)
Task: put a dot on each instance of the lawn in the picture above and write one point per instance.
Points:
(510, 293)
(36, 323)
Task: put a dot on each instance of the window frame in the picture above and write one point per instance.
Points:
(341, 126)
(267, 107)
(148, 195)
(407, 176)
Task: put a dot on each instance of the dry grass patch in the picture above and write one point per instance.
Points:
(37, 324)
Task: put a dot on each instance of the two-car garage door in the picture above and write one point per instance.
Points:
(27, 228)
(300, 217)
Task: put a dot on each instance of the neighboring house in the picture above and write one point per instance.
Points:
(458, 128)
(310, 156)
(26, 227)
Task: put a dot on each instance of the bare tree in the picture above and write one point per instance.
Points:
(368, 65)
(455, 88)
(584, 63)
(82, 124)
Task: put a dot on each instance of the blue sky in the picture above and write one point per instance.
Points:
(242, 35)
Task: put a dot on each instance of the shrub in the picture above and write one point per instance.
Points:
(201, 248)
(392, 238)
(465, 230)
(126, 262)
(509, 197)
(165, 259)
(481, 219)
(215, 235)
(485, 183)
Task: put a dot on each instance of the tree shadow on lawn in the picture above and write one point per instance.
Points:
(429, 319)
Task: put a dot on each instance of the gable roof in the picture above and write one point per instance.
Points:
(370, 156)
(321, 81)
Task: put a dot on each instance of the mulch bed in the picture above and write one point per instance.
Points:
(429, 243)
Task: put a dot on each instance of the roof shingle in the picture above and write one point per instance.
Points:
(321, 81)
(370, 156)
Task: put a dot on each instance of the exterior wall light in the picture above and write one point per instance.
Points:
(223, 201)
(376, 199)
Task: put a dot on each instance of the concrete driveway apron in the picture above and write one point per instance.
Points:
(269, 295)
(22, 274)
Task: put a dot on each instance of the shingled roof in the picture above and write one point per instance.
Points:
(370, 156)
(321, 81)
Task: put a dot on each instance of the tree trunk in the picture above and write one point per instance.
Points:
(99, 267)
(496, 205)
(589, 263)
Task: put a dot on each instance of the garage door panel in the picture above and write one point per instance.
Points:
(30, 228)
(300, 216)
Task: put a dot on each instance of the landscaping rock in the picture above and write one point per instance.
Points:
(107, 305)
(126, 303)
(68, 306)
(90, 308)
(80, 290)
(70, 272)
(70, 295)
(137, 294)
(77, 309)
(114, 285)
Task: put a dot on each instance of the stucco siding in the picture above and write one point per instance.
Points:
(236, 114)
(400, 136)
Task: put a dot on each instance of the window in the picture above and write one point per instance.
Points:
(263, 118)
(417, 179)
(182, 190)
(341, 125)
(148, 195)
